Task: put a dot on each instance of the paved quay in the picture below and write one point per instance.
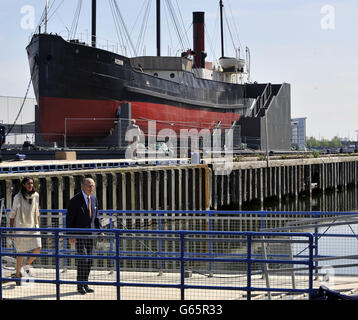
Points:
(29, 290)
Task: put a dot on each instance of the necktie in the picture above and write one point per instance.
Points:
(89, 207)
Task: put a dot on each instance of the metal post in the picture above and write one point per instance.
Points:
(0, 263)
(111, 263)
(118, 271)
(57, 246)
(65, 135)
(46, 15)
(293, 279)
(64, 242)
(315, 234)
(94, 22)
(248, 289)
(210, 246)
(182, 266)
(222, 28)
(160, 244)
(158, 28)
(266, 268)
(310, 266)
(267, 145)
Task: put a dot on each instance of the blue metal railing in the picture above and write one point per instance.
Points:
(314, 214)
(20, 168)
(265, 216)
(182, 257)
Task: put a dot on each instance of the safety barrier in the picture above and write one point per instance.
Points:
(334, 238)
(232, 221)
(233, 274)
(83, 165)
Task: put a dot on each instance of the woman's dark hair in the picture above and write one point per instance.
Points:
(23, 189)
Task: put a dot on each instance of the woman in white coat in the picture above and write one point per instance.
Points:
(25, 214)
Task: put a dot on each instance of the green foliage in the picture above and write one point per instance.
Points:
(315, 154)
(312, 142)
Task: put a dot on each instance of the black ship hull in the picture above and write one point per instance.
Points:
(75, 81)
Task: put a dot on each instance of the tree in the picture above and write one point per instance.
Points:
(312, 142)
(336, 142)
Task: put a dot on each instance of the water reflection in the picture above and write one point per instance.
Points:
(345, 200)
(329, 245)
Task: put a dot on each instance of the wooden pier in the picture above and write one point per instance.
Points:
(190, 186)
(274, 179)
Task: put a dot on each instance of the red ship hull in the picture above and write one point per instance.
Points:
(80, 118)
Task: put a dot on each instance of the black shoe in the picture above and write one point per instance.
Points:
(18, 282)
(88, 289)
(81, 290)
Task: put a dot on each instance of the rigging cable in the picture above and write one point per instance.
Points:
(76, 18)
(126, 33)
(235, 26)
(43, 16)
(117, 27)
(31, 73)
(176, 24)
(135, 23)
(214, 39)
(228, 27)
(183, 25)
(55, 10)
(140, 41)
(168, 28)
(210, 41)
(23, 103)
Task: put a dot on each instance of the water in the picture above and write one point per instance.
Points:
(339, 246)
(333, 201)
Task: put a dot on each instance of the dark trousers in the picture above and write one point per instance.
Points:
(84, 247)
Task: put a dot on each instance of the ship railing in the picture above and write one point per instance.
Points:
(251, 142)
(85, 38)
(110, 133)
(151, 130)
(30, 140)
(24, 142)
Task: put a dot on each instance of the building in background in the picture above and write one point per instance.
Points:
(9, 111)
(298, 133)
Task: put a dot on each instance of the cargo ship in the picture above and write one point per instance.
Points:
(76, 82)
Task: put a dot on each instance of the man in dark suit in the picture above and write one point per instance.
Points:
(82, 213)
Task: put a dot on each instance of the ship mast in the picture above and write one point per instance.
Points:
(46, 15)
(222, 28)
(94, 23)
(158, 28)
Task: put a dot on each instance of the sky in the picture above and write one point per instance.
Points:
(310, 44)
